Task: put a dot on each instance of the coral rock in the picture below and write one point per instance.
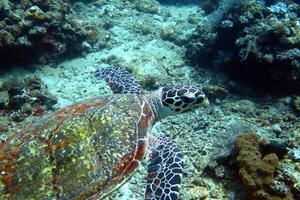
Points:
(255, 43)
(33, 31)
(256, 171)
(29, 98)
(35, 13)
(296, 104)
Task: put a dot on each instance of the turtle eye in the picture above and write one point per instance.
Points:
(200, 99)
(187, 99)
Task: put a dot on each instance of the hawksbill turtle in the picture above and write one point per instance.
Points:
(91, 148)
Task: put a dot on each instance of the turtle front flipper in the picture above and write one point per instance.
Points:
(164, 170)
(119, 80)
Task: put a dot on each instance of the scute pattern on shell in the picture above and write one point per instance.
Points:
(78, 152)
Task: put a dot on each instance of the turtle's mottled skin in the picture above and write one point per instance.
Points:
(78, 152)
(89, 149)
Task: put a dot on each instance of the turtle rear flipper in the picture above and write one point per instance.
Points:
(164, 171)
(119, 80)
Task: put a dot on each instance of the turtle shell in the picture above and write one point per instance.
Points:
(86, 150)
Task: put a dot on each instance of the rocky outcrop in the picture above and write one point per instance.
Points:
(41, 31)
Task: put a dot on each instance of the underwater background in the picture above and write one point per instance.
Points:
(244, 54)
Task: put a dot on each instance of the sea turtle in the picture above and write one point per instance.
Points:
(89, 149)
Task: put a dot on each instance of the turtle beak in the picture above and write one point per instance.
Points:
(206, 102)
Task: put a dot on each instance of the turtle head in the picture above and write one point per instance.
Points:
(172, 100)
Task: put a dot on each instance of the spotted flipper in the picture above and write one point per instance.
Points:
(164, 170)
(119, 80)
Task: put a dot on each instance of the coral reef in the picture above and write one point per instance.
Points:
(202, 44)
(150, 46)
(254, 43)
(256, 171)
(41, 31)
(295, 154)
(172, 32)
(209, 5)
(26, 98)
(147, 6)
(296, 104)
(215, 92)
(288, 175)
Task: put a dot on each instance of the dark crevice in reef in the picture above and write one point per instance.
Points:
(252, 44)
(178, 3)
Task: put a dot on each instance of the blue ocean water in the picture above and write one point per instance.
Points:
(74, 73)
